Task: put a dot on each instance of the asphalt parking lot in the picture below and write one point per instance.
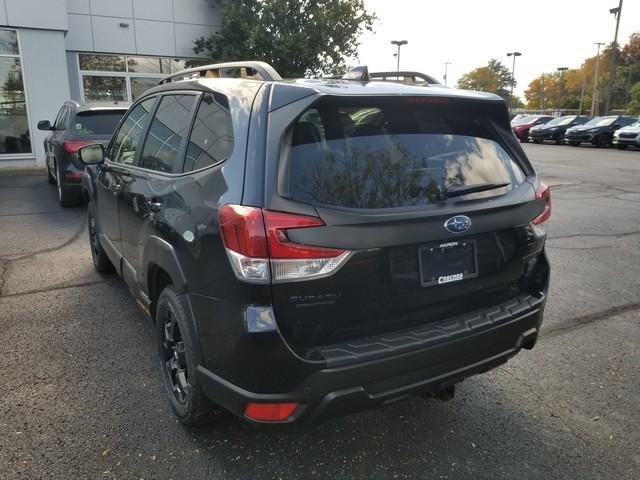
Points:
(81, 397)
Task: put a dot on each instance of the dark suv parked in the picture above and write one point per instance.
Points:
(554, 129)
(598, 131)
(309, 248)
(75, 126)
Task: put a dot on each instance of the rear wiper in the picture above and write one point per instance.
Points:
(480, 187)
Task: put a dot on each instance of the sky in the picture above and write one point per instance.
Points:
(467, 33)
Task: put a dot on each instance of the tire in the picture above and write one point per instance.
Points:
(558, 140)
(524, 138)
(537, 142)
(621, 147)
(66, 196)
(50, 178)
(574, 144)
(602, 142)
(177, 362)
(101, 262)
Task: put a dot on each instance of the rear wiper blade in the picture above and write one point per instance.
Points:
(480, 187)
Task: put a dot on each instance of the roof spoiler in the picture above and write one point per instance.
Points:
(251, 70)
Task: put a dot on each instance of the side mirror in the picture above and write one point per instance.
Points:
(91, 154)
(45, 125)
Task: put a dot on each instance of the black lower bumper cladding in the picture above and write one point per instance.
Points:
(376, 371)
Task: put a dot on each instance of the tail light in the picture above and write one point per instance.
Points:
(72, 146)
(270, 412)
(542, 193)
(260, 251)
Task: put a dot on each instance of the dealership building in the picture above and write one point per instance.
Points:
(89, 51)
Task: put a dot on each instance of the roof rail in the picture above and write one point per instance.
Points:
(256, 70)
(405, 75)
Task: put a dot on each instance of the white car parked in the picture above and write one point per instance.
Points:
(627, 136)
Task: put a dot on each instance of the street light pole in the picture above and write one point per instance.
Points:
(612, 64)
(513, 76)
(594, 96)
(398, 43)
(446, 70)
(561, 90)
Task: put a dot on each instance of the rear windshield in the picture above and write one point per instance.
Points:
(97, 122)
(388, 153)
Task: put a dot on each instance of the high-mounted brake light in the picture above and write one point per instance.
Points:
(260, 251)
(543, 193)
(270, 412)
(72, 146)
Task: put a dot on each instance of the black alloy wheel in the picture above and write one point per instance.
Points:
(173, 358)
(178, 363)
(101, 262)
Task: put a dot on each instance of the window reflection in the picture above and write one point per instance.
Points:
(104, 89)
(128, 138)
(169, 126)
(211, 139)
(14, 123)
(393, 155)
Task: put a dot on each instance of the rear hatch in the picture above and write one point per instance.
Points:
(426, 203)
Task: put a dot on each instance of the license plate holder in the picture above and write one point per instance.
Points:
(447, 262)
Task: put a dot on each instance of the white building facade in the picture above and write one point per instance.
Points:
(86, 50)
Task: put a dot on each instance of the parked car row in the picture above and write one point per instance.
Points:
(621, 131)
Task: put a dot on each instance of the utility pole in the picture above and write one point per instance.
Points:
(612, 64)
(398, 43)
(561, 90)
(513, 76)
(446, 65)
(594, 96)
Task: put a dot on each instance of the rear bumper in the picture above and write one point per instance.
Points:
(378, 371)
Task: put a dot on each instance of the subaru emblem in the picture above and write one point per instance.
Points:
(458, 224)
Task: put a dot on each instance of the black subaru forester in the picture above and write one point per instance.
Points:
(310, 248)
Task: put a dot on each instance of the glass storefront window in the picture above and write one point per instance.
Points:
(149, 65)
(8, 42)
(139, 85)
(104, 89)
(14, 123)
(130, 77)
(101, 63)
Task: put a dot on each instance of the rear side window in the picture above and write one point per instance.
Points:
(211, 139)
(389, 153)
(100, 122)
(167, 132)
(124, 148)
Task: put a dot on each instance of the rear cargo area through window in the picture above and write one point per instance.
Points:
(97, 122)
(395, 152)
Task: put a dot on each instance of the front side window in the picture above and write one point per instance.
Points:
(14, 124)
(168, 129)
(211, 139)
(390, 153)
(123, 150)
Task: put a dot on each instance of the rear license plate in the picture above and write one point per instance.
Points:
(447, 262)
